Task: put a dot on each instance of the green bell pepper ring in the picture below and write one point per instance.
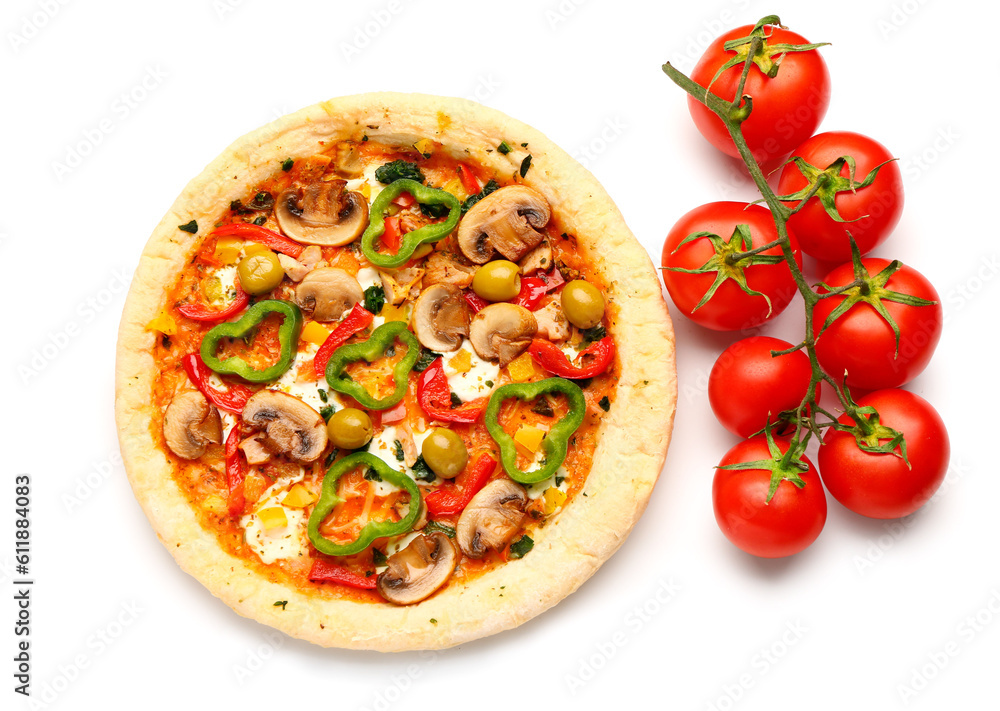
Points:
(288, 337)
(328, 499)
(556, 441)
(411, 240)
(380, 341)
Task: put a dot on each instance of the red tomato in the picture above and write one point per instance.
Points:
(786, 109)
(871, 212)
(787, 524)
(881, 485)
(862, 343)
(748, 387)
(730, 308)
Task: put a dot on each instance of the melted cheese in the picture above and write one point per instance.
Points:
(535, 491)
(474, 383)
(285, 542)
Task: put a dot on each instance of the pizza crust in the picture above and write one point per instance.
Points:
(625, 467)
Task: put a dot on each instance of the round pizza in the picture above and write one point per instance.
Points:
(394, 374)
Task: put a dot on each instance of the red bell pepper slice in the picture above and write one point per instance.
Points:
(469, 181)
(277, 242)
(235, 473)
(198, 312)
(404, 200)
(232, 400)
(358, 319)
(549, 356)
(326, 571)
(532, 291)
(451, 500)
(434, 397)
(475, 301)
(390, 238)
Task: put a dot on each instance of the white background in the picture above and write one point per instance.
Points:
(848, 623)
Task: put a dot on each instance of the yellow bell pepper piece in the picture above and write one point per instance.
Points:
(455, 187)
(425, 146)
(272, 517)
(394, 313)
(298, 497)
(164, 323)
(254, 247)
(366, 191)
(314, 332)
(215, 504)
(528, 439)
(522, 369)
(461, 363)
(227, 250)
(212, 289)
(553, 498)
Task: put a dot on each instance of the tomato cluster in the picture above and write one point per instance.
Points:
(873, 323)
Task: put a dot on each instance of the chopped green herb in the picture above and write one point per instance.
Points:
(191, 227)
(281, 604)
(489, 383)
(559, 480)
(424, 361)
(422, 472)
(259, 220)
(262, 201)
(433, 621)
(364, 138)
(165, 340)
(584, 383)
(397, 169)
(239, 208)
(397, 450)
(374, 298)
(594, 334)
(604, 403)
(456, 401)
(491, 187)
(330, 457)
(504, 148)
(543, 408)
(372, 475)
(390, 351)
(369, 573)
(286, 165)
(435, 526)
(525, 164)
(520, 547)
(434, 211)
(326, 412)
(524, 145)
(378, 557)
(322, 395)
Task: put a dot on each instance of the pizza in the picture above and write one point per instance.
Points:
(394, 374)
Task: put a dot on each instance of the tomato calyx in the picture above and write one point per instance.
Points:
(766, 56)
(869, 432)
(783, 467)
(825, 184)
(730, 261)
(870, 290)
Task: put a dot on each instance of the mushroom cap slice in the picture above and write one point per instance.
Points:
(502, 332)
(506, 221)
(290, 426)
(441, 318)
(322, 213)
(537, 260)
(418, 570)
(491, 518)
(326, 293)
(190, 424)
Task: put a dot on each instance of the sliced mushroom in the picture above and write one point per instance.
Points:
(416, 572)
(506, 221)
(398, 284)
(296, 269)
(190, 424)
(322, 213)
(290, 426)
(255, 451)
(552, 323)
(491, 518)
(537, 260)
(326, 293)
(502, 332)
(441, 318)
(448, 268)
(347, 160)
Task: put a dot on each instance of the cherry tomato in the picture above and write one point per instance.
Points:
(730, 308)
(871, 212)
(881, 485)
(862, 343)
(748, 387)
(787, 109)
(787, 524)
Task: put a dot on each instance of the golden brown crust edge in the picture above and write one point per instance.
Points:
(576, 542)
